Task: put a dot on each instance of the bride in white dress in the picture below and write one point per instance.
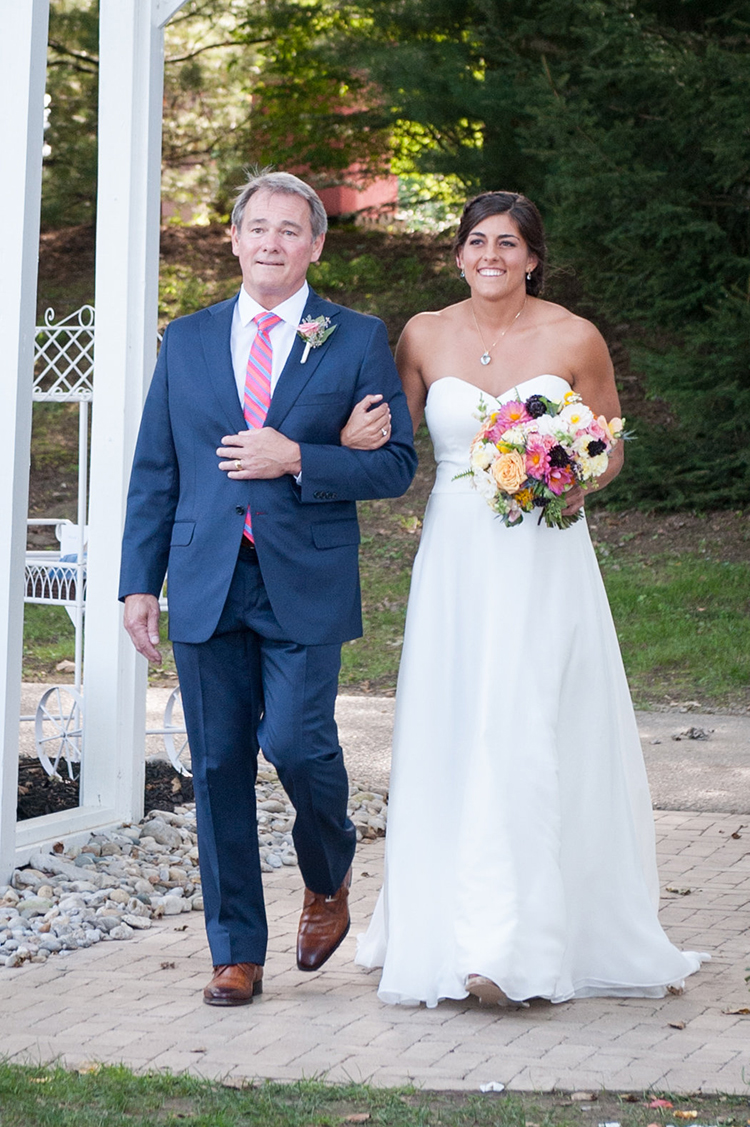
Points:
(520, 856)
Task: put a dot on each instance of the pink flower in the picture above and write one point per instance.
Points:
(598, 429)
(560, 478)
(495, 432)
(308, 329)
(537, 458)
(512, 414)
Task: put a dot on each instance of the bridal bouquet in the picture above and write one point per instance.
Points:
(530, 453)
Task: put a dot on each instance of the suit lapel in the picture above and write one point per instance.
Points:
(295, 374)
(216, 335)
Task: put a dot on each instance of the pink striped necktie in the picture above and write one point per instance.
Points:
(257, 397)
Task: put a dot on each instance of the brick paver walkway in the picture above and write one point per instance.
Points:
(139, 1002)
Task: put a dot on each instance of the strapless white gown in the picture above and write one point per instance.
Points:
(520, 840)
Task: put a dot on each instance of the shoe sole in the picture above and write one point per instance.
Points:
(487, 991)
(326, 957)
(257, 989)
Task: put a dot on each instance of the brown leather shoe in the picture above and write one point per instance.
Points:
(322, 926)
(234, 984)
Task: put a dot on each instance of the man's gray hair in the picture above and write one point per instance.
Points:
(289, 184)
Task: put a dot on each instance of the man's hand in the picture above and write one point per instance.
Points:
(141, 620)
(262, 453)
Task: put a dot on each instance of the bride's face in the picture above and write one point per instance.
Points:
(495, 257)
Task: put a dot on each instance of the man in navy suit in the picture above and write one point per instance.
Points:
(254, 516)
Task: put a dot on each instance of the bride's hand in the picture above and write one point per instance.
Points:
(575, 498)
(368, 426)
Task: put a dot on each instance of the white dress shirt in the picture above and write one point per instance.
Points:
(282, 335)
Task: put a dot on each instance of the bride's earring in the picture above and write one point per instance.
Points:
(528, 276)
(462, 275)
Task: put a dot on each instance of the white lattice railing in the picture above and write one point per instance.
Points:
(64, 357)
(55, 583)
(63, 373)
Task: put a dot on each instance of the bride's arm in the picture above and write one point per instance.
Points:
(369, 425)
(409, 360)
(594, 381)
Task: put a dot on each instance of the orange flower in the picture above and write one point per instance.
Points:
(509, 471)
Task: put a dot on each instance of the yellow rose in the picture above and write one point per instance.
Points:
(509, 471)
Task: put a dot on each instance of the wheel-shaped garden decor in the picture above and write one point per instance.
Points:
(175, 737)
(58, 728)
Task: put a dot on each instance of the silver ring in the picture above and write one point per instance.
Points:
(237, 464)
(384, 432)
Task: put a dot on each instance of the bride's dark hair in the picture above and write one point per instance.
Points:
(526, 217)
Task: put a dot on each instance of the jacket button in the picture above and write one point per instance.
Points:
(239, 509)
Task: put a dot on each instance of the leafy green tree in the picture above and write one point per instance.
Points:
(626, 121)
(239, 89)
(209, 77)
(69, 170)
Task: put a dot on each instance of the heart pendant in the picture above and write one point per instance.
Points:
(485, 358)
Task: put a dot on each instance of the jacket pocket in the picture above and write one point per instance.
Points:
(182, 533)
(335, 533)
(324, 399)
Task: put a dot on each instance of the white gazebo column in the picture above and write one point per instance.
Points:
(23, 64)
(131, 68)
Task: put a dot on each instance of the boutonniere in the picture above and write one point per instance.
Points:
(314, 331)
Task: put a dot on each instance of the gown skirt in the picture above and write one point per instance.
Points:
(520, 842)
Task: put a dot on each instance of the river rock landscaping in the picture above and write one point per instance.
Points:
(125, 880)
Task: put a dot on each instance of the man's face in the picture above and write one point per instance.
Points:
(275, 246)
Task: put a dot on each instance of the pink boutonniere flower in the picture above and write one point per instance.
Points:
(314, 331)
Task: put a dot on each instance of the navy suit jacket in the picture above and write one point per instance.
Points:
(184, 514)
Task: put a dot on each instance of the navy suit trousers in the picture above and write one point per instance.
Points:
(249, 687)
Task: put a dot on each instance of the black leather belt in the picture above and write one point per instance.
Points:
(247, 550)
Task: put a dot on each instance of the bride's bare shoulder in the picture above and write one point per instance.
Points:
(425, 328)
(432, 320)
(575, 329)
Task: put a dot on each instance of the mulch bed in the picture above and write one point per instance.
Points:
(39, 794)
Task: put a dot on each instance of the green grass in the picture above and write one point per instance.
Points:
(115, 1097)
(48, 637)
(684, 627)
(371, 662)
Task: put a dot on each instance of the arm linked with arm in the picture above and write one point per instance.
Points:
(339, 473)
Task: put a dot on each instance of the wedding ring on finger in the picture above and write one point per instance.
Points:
(237, 464)
(384, 431)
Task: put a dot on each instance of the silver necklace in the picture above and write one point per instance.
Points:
(485, 358)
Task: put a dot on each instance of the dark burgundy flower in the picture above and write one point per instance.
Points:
(558, 457)
(536, 405)
(596, 446)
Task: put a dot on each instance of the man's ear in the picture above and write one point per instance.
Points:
(317, 248)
